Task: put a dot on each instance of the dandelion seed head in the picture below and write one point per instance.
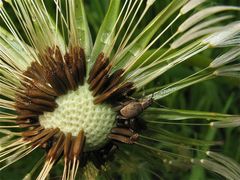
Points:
(77, 111)
(76, 99)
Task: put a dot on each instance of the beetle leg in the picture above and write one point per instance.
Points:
(122, 131)
(120, 138)
(146, 103)
(123, 135)
(134, 137)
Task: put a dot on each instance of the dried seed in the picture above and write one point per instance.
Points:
(100, 86)
(25, 114)
(100, 64)
(67, 145)
(98, 78)
(36, 93)
(43, 137)
(33, 132)
(114, 79)
(83, 64)
(78, 144)
(115, 91)
(57, 148)
(69, 72)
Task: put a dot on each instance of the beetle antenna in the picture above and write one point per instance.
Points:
(154, 101)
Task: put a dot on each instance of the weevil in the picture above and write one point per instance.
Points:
(132, 108)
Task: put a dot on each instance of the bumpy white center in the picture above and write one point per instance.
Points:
(77, 111)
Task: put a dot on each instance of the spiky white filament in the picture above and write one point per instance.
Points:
(189, 32)
(134, 59)
(150, 3)
(228, 71)
(197, 17)
(37, 24)
(124, 38)
(219, 168)
(223, 36)
(129, 10)
(149, 76)
(226, 124)
(19, 155)
(108, 36)
(227, 57)
(183, 40)
(63, 21)
(208, 23)
(5, 115)
(7, 104)
(14, 32)
(10, 74)
(135, 47)
(187, 37)
(191, 5)
(72, 22)
(127, 35)
(230, 163)
(235, 41)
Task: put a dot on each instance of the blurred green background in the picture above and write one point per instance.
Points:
(220, 95)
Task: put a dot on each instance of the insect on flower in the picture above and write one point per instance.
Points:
(132, 109)
(77, 99)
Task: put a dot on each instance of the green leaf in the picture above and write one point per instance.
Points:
(15, 50)
(83, 32)
(105, 34)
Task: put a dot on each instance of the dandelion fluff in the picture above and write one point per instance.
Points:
(197, 17)
(191, 5)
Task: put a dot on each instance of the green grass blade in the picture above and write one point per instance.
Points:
(83, 31)
(105, 34)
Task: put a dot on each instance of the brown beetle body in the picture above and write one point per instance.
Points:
(134, 108)
(131, 110)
